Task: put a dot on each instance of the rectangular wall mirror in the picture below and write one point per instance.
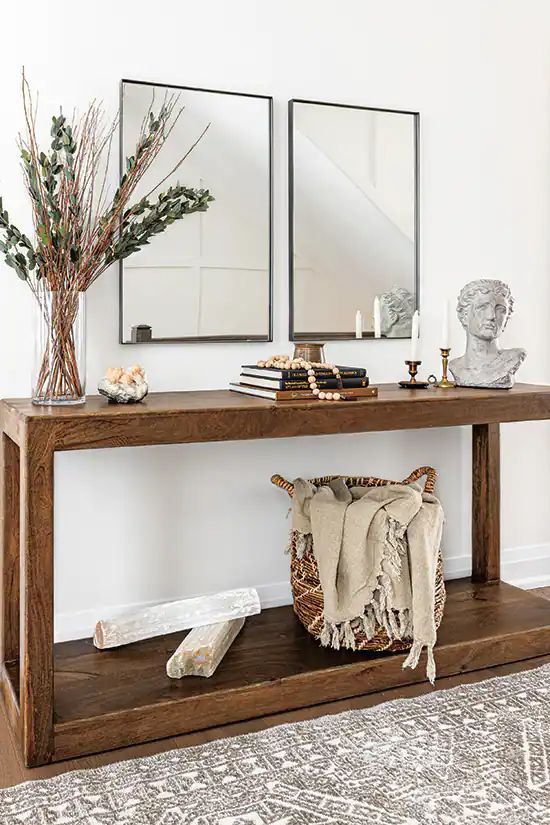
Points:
(353, 220)
(209, 276)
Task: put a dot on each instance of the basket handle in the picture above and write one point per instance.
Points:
(429, 487)
(431, 478)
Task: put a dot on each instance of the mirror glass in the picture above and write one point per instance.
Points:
(208, 276)
(353, 221)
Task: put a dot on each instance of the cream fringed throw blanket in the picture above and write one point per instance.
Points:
(376, 549)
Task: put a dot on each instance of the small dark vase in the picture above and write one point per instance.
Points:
(310, 352)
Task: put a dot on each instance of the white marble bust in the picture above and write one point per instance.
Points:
(396, 311)
(483, 309)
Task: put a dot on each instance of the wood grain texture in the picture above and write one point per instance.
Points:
(36, 659)
(10, 695)
(106, 699)
(12, 770)
(486, 502)
(12, 422)
(220, 415)
(9, 554)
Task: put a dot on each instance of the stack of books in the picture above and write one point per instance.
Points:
(292, 385)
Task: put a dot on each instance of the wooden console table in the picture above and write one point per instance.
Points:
(69, 699)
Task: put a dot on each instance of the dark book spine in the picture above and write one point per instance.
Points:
(288, 374)
(284, 375)
(329, 383)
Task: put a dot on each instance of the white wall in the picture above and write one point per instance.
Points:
(135, 525)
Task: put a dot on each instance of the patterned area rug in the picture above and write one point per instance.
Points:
(473, 754)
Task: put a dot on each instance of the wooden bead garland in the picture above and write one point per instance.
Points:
(284, 362)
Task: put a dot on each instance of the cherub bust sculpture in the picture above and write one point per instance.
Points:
(396, 312)
(483, 309)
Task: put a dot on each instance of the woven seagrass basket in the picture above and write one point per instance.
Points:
(304, 575)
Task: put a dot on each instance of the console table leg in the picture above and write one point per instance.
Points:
(486, 502)
(9, 556)
(36, 668)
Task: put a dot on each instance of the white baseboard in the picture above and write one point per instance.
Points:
(80, 624)
(526, 567)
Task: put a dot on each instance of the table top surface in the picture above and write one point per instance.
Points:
(215, 401)
(222, 415)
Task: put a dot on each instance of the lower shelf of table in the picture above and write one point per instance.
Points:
(109, 699)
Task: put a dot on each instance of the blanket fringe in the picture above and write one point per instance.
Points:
(341, 635)
(379, 612)
(369, 623)
(430, 670)
(394, 625)
(326, 635)
(414, 657)
(396, 546)
(303, 543)
(349, 636)
(405, 624)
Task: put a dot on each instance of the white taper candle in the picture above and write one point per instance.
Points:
(358, 324)
(414, 336)
(376, 312)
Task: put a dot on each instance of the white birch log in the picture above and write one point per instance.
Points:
(203, 649)
(173, 616)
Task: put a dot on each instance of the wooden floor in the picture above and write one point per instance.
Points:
(12, 771)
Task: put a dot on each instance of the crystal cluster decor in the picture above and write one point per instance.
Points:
(203, 649)
(173, 616)
(124, 386)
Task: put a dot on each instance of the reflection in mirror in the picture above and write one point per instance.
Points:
(208, 277)
(353, 221)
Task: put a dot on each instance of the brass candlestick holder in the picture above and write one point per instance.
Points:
(445, 383)
(413, 383)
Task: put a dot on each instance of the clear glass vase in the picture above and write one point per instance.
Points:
(60, 347)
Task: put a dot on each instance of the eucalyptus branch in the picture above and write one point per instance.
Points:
(170, 206)
(16, 247)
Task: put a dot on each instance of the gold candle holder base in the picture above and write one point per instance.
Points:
(413, 383)
(445, 384)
